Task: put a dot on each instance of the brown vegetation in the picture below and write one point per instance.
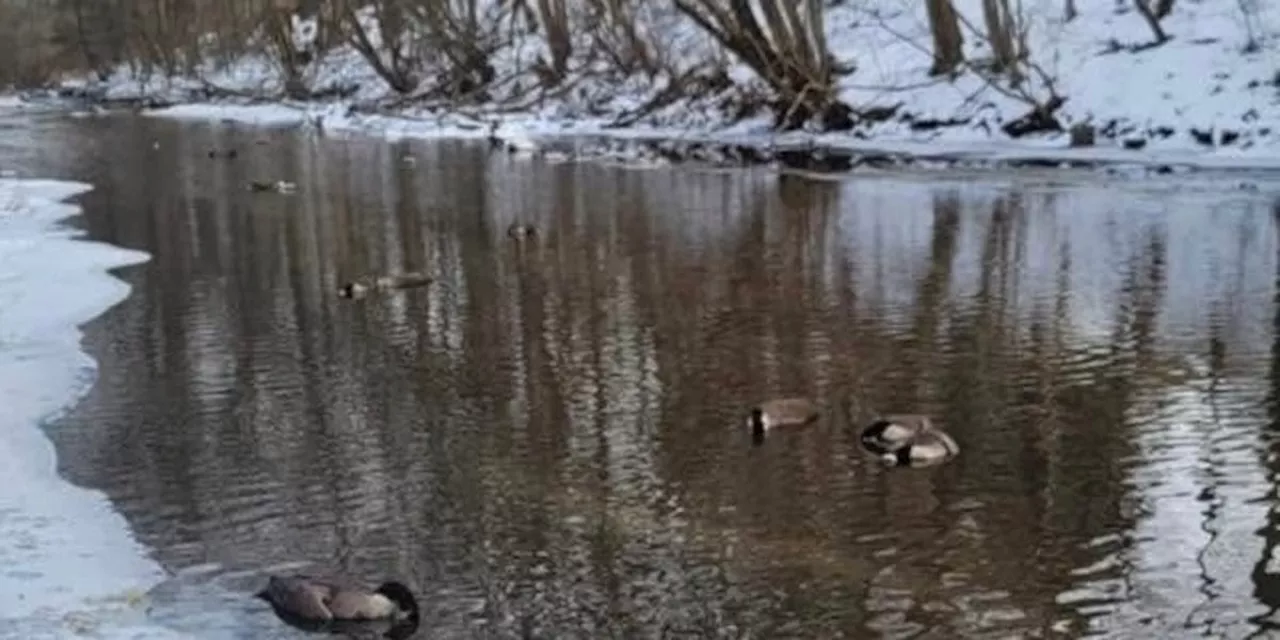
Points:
(435, 49)
(785, 43)
(447, 53)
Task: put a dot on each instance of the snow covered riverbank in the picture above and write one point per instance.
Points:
(69, 563)
(1207, 97)
(67, 559)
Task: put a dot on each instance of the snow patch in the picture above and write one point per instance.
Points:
(63, 551)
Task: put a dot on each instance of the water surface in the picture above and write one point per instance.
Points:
(547, 441)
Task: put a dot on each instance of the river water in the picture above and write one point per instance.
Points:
(548, 441)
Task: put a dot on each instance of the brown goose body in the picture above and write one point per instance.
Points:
(909, 440)
(780, 412)
(360, 288)
(929, 448)
(320, 600)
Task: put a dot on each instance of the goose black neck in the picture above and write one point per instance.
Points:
(871, 436)
(903, 456)
(757, 426)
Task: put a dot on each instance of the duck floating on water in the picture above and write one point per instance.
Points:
(521, 231)
(361, 287)
(780, 412)
(909, 440)
(316, 603)
(279, 186)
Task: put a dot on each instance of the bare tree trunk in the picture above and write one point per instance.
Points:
(555, 27)
(1000, 34)
(1069, 11)
(947, 40)
(792, 57)
(279, 31)
(1163, 9)
(1152, 21)
(397, 68)
(91, 58)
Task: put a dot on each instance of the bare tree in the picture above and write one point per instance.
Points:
(461, 39)
(1153, 20)
(785, 43)
(277, 26)
(1252, 24)
(948, 43)
(554, 20)
(382, 41)
(1005, 38)
(615, 34)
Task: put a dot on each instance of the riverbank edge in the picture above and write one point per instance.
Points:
(596, 139)
(73, 520)
(753, 144)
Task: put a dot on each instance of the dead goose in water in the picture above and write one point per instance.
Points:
(908, 440)
(360, 288)
(314, 603)
(781, 412)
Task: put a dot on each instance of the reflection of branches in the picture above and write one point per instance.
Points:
(932, 288)
(1266, 582)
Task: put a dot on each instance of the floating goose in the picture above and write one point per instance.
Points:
(908, 440)
(521, 231)
(279, 186)
(313, 603)
(361, 287)
(780, 412)
(513, 143)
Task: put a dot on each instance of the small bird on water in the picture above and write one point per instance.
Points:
(519, 231)
(335, 603)
(780, 412)
(279, 186)
(361, 287)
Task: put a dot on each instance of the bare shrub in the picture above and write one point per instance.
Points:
(459, 39)
(553, 19)
(1012, 72)
(28, 30)
(90, 36)
(379, 30)
(1152, 16)
(615, 34)
(291, 60)
(784, 43)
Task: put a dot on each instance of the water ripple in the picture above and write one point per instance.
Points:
(548, 440)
